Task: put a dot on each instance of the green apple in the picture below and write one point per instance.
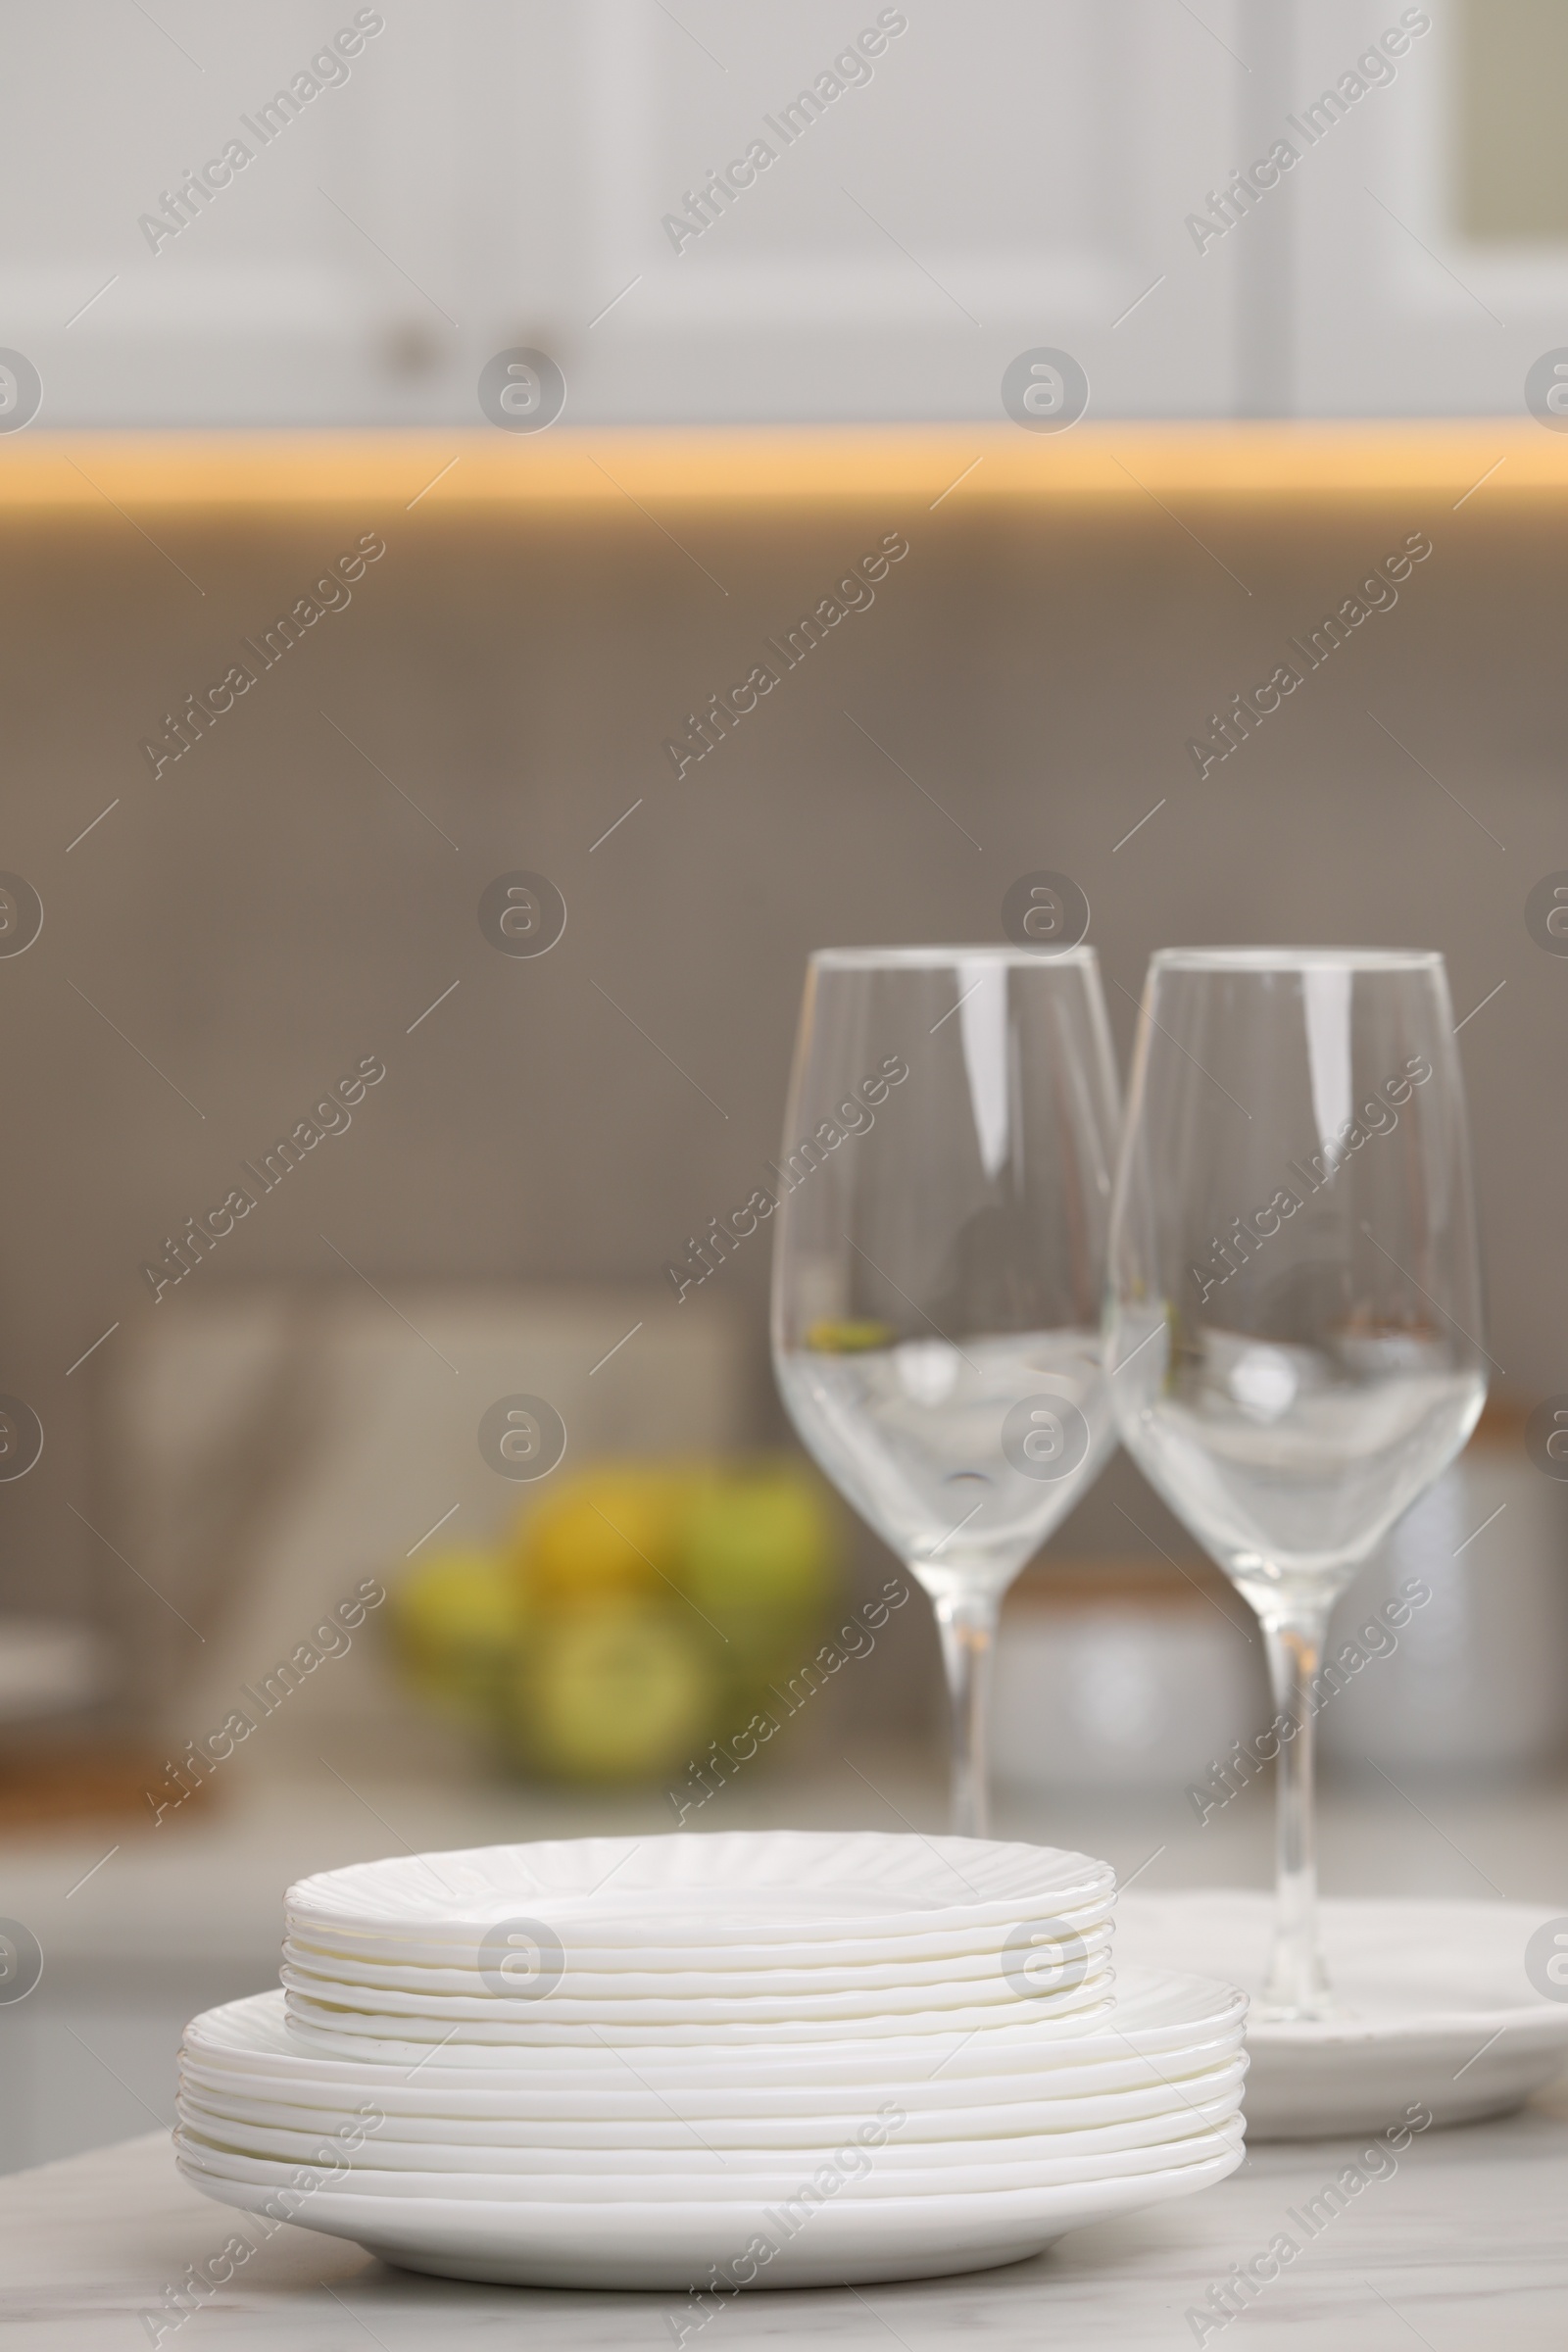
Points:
(758, 1558)
(622, 1692)
(455, 1622)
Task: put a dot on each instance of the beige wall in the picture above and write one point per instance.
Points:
(270, 909)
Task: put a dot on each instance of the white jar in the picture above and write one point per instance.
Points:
(1479, 1679)
(1115, 1674)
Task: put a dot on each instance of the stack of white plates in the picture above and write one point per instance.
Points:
(711, 2062)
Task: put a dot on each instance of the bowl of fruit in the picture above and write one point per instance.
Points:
(633, 1614)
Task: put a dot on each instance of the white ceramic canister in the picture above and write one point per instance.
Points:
(1477, 1674)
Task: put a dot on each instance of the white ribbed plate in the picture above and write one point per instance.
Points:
(765, 2175)
(211, 2133)
(1439, 2008)
(1160, 2022)
(221, 2102)
(766, 1891)
(426, 1970)
(403, 2040)
(671, 2245)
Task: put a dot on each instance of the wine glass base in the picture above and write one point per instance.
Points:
(1296, 1993)
(1293, 2013)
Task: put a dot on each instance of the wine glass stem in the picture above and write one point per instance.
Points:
(1297, 1985)
(968, 1630)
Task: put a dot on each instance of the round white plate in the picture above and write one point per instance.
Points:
(637, 2101)
(625, 2103)
(726, 1888)
(758, 1994)
(219, 2103)
(693, 2158)
(960, 1950)
(720, 2184)
(1026, 1984)
(674, 2246)
(399, 2040)
(1437, 2008)
(1162, 2025)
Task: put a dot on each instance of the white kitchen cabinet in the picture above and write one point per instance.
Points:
(930, 192)
(712, 212)
(1429, 258)
(377, 230)
(987, 183)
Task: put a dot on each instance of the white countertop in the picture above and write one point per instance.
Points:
(1464, 2249)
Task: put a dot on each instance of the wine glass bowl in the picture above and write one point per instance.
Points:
(1295, 1308)
(939, 1252)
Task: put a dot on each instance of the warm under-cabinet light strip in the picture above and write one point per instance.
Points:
(1479, 465)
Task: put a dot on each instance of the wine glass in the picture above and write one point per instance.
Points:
(943, 1197)
(1294, 1311)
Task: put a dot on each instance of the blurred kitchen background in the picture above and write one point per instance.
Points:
(216, 392)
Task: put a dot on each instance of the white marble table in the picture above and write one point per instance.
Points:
(1463, 2250)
